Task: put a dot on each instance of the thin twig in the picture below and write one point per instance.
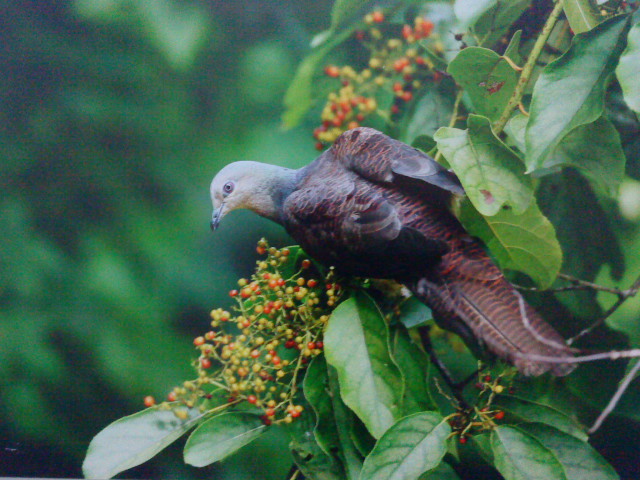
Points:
(516, 97)
(623, 295)
(583, 284)
(629, 377)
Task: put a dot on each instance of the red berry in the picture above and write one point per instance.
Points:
(275, 360)
(205, 363)
(171, 397)
(311, 345)
(294, 413)
(319, 345)
(395, 109)
(332, 71)
(198, 341)
(270, 412)
(265, 420)
(306, 263)
(499, 415)
(463, 440)
(312, 283)
(487, 378)
(245, 292)
(261, 250)
(252, 399)
(377, 16)
(407, 31)
(255, 354)
(407, 96)
(233, 293)
(149, 401)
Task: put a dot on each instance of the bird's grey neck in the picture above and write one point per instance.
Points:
(281, 182)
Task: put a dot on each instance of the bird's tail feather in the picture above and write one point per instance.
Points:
(489, 311)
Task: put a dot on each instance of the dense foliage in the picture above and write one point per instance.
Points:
(534, 107)
(117, 113)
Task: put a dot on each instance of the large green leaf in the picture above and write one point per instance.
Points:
(531, 411)
(582, 15)
(411, 447)
(221, 436)
(348, 452)
(491, 173)
(628, 70)
(596, 150)
(489, 19)
(312, 461)
(519, 456)
(357, 345)
(579, 79)
(579, 460)
(413, 364)
(574, 209)
(300, 94)
(133, 440)
(486, 77)
(526, 243)
(315, 387)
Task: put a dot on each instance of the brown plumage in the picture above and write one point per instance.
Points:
(374, 207)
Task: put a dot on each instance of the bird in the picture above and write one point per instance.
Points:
(374, 207)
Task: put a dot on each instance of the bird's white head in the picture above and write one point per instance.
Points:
(245, 184)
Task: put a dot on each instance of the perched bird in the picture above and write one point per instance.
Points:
(375, 207)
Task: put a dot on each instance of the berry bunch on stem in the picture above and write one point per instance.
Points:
(256, 352)
(398, 64)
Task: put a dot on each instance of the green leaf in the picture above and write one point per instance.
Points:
(585, 248)
(312, 461)
(489, 19)
(444, 471)
(414, 313)
(628, 70)
(531, 411)
(490, 172)
(432, 110)
(411, 447)
(513, 49)
(579, 78)
(221, 436)
(596, 150)
(414, 366)
(356, 344)
(133, 440)
(515, 130)
(582, 15)
(518, 456)
(579, 460)
(300, 94)
(486, 77)
(348, 452)
(315, 387)
(526, 243)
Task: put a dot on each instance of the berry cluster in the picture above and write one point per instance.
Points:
(255, 353)
(397, 64)
(466, 423)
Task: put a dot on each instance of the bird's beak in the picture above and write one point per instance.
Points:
(216, 217)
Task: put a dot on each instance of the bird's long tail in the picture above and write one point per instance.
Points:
(471, 297)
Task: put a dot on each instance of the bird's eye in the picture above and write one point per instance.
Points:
(228, 188)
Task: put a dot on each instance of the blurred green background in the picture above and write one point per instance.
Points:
(115, 116)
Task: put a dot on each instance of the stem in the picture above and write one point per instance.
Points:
(525, 76)
(622, 297)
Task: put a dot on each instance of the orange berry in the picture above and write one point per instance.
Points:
(149, 401)
(205, 363)
(198, 341)
(234, 293)
(172, 397)
(261, 250)
(407, 96)
(332, 71)
(377, 16)
(407, 31)
(499, 415)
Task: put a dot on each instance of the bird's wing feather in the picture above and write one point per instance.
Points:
(379, 158)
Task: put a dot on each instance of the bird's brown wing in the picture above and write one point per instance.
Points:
(379, 158)
(338, 216)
